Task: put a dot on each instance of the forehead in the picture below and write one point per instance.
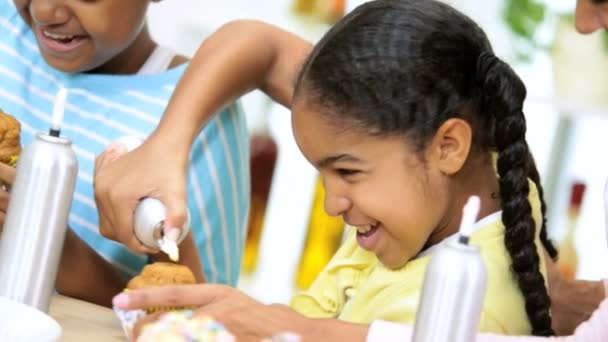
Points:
(315, 135)
(305, 118)
(319, 138)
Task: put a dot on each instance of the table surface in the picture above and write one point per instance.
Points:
(82, 321)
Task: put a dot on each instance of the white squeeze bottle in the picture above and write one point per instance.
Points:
(454, 287)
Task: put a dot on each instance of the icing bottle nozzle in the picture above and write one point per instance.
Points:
(469, 216)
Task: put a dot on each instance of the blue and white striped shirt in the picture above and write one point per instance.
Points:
(103, 108)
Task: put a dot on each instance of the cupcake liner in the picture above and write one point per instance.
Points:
(128, 318)
(284, 337)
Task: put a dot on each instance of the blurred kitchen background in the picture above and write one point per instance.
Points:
(567, 113)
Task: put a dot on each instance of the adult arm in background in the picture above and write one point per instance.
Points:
(572, 301)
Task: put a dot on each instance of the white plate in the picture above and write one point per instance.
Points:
(22, 323)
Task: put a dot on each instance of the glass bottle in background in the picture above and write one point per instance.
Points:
(324, 236)
(328, 11)
(568, 260)
(303, 7)
(263, 157)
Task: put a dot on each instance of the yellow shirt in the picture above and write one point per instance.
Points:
(356, 287)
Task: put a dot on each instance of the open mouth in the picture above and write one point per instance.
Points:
(60, 42)
(368, 236)
(367, 230)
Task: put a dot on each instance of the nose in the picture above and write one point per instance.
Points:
(336, 203)
(49, 12)
(588, 17)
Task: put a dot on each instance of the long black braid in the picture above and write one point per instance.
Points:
(503, 94)
(535, 177)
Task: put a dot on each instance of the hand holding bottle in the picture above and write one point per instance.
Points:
(153, 169)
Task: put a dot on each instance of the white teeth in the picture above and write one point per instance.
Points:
(56, 35)
(364, 229)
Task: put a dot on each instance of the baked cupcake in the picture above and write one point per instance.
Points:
(10, 140)
(162, 274)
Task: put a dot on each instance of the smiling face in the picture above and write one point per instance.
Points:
(84, 35)
(387, 116)
(591, 15)
(378, 184)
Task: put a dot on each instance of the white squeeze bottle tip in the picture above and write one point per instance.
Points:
(469, 217)
(58, 111)
(170, 248)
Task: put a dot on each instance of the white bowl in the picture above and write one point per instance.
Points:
(22, 323)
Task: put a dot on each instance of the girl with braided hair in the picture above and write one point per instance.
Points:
(405, 111)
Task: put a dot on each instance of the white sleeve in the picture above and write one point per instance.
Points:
(381, 331)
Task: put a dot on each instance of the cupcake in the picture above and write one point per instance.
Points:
(10, 141)
(183, 326)
(161, 274)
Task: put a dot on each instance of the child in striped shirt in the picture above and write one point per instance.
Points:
(119, 83)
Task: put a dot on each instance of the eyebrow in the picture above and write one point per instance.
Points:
(344, 157)
(597, 2)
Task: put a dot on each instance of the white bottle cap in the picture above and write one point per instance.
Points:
(148, 220)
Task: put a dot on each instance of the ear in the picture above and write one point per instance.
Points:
(450, 146)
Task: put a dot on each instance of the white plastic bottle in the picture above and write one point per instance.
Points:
(454, 288)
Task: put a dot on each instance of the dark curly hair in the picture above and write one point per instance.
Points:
(404, 67)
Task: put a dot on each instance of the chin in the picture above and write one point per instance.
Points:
(393, 263)
(70, 67)
(64, 66)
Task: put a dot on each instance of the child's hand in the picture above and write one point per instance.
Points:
(244, 317)
(7, 176)
(154, 169)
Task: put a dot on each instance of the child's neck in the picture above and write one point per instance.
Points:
(477, 178)
(132, 58)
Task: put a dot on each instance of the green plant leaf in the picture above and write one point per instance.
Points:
(524, 17)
